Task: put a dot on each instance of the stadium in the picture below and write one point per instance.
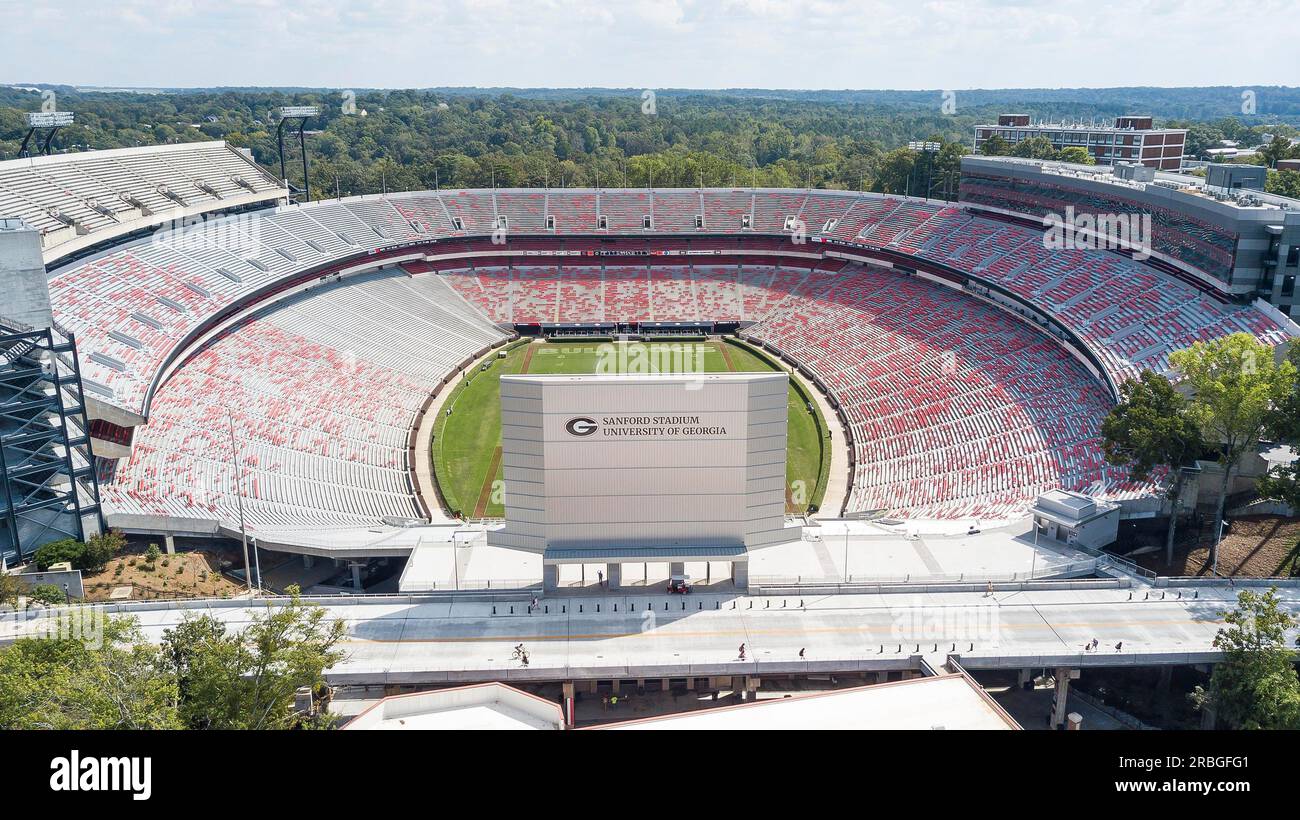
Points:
(287, 372)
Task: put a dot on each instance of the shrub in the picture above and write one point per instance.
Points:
(100, 549)
(56, 552)
(48, 594)
(152, 554)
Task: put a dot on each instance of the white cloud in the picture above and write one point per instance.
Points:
(649, 43)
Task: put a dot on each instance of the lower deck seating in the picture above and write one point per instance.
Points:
(956, 409)
(322, 392)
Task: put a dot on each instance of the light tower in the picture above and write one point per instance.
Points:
(47, 122)
(298, 116)
(929, 149)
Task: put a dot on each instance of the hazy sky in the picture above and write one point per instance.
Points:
(934, 44)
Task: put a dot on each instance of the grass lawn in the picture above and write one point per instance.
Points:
(466, 444)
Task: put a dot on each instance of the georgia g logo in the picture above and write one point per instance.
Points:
(581, 426)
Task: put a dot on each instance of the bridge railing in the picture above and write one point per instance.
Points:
(1054, 571)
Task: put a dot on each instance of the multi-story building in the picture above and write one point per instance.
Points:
(1130, 139)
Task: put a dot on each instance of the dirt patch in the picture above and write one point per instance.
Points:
(726, 355)
(183, 575)
(485, 495)
(528, 358)
(1255, 546)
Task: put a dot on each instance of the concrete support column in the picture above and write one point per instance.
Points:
(170, 541)
(1166, 679)
(1026, 679)
(1209, 718)
(614, 575)
(740, 574)
(882, 677)
(569, 703)
(550, 577)
(356, 575)
(308, 561)
(751, 687)
(1059, 698)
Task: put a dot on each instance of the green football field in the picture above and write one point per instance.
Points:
(467, 442)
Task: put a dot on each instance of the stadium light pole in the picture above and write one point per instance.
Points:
(44, 121)
(239, 498)
(297, 114)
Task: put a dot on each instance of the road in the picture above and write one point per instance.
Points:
(429, 641)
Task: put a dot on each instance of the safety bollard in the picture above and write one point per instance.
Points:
(579, 608)
(767, 604)
(1196, 594)
(683, 606)
(598, 607)
(665, 606)
(718, 605)
(494, 609)
(512, 609)
(616, 607)
(564, 608)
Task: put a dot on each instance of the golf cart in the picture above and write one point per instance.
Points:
(680, 584)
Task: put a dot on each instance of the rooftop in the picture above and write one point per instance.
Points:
(484, 706)
(944, 702)
(1183, 183)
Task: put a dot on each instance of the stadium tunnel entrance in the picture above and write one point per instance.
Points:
(613, 560)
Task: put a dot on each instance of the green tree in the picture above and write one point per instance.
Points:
(1236, 389)
(115, 682)
(1255, 686)
(1283, 183)
(1038, 147)
(1076, 154)
(100, 549)
(995, 146)
(1150, 428)
(247, 680)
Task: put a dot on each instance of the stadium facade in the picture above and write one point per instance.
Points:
(969, 362)
(633, 468)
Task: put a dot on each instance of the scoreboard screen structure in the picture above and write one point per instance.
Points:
(648, 462)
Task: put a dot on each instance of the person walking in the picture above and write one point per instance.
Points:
(742, 651)
(600, 577)
(1119, 647)
(801, 651)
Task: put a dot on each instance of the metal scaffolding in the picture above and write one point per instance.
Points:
(49, 490)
